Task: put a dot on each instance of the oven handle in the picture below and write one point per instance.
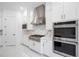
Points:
(65, 41)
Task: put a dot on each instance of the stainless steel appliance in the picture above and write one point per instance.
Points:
(66, 38)
(35, 37)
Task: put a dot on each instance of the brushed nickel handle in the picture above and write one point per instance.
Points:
(14, 34)
(63, 16)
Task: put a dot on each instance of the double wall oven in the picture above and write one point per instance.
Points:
(65, 40)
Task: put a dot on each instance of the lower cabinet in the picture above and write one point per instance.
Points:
(36, 46)
(1, 41)
(46, 47)
(9, 31)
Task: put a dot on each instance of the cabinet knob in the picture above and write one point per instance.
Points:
(63, 16)
(14, 34)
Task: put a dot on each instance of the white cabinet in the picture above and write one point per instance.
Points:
(77, 10)
(36, 46)
(64, 11)
(61, 11)
(46, 46)
(57, 11)
(31, 44)
(1, 19)
(70, 10)
(9, 30)
(48, 15)
(11, 26)
(1, 30)
(54, 12)
(0, 23)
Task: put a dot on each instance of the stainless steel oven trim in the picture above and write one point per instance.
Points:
(67, 25)
(64, 53)
(65, 39)
(77, 38)
(74, 43)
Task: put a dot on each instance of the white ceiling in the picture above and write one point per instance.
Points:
(17, 5)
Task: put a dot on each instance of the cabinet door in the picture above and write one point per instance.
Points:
(31, 44)
(1, 19)
(57, 11)
(1, 32)
(47, 48)
(0, 23)
(77, 10)
(10, 31)
(37, 46)
(48, 15)
(69, 10)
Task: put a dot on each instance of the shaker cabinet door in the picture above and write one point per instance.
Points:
(57, 11)
(1, 29)
(48, 15)
(70, 10)
(0, 23)
(10, 31)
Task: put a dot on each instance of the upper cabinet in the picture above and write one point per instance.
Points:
(70, 10)
(57, 11)
(61, 11)
(65, 11)
(54, 12)
(77, 9)
(0, 23)
(1, 19)
(39, 15)
(48, 15)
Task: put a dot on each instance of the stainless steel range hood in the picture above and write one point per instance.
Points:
(39, 15)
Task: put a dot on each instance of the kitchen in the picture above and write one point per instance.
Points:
(37, 29)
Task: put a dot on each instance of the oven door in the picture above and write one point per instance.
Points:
(66, 33)
(65, 48)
